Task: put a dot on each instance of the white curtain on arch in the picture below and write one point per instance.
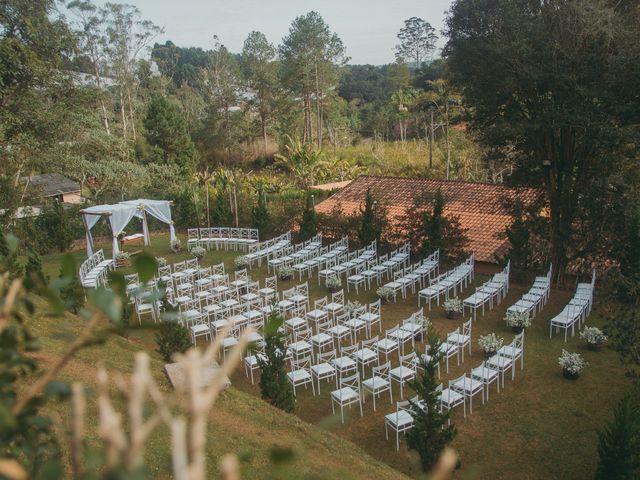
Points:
(160, 209)
(90, 222)
(120, 217)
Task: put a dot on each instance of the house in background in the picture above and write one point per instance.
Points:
(480, 207)
(53, 186)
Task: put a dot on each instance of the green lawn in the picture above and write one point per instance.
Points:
(539, 426)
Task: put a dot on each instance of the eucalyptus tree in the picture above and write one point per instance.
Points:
(128, 38)
(417, 41)
(311, 56)
(261, 73)
(92, 42)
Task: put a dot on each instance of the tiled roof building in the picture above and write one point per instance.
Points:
(479, 206)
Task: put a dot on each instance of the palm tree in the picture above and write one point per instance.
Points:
(302, 160)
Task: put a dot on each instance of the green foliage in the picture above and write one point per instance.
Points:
(369, 229)
(427, 228)
(172, 337)
(519, 236)
(34, 276)
(274, 386)
(308, 224)
(56, 228)
(71, 290)
(627, 281)
(430, 433)
(221, 214)
(184, 210)
(619, 441)
(167, 130)
(573, 111)
(260, 214)
(417, 41)
(623, 328)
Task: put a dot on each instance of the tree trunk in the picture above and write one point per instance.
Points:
(131, 114)
(431, 141)
(446, 139)
(124, 116)
(264, 136)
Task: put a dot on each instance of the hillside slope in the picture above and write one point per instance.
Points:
(240, 423)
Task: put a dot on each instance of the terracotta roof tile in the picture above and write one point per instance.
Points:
(479, 206)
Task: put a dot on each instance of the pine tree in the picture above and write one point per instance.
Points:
(519, 235)
(431, 432)
(167, 130)
(369, 230)
(434, 226)
(34, 276)
(260, 214)
(221, 214)
(274, 385)
(619, 442)
(308, 224)
(72, 293)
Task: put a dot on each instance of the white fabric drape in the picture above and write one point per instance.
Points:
(121, 215)
(160, 209)
(90, 222)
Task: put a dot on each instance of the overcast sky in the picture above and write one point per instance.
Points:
(368, 28)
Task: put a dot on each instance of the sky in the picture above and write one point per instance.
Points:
(368, 28)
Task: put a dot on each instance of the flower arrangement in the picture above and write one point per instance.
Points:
(198, 251)
(453, 307)
(594, 337)
(241, 262)
(161, 261)
(490, 344)
(518, 320)
(176, 245)
(385, 294)
(351, 306)
(285, 273)
(334, 283)
(572, 364)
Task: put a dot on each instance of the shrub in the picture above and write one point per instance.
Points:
(308, 224)
(619, 441)
(71, 291)
(172, 338)
(57, 228)
(572, 362)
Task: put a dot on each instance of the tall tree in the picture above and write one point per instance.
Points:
(274, 385)
(261, 70)
(549, 84)
(93, 42)
(309, 223)
(166, 129)
(369, 229)
(129, 37)
(311, 58)
(417, 41)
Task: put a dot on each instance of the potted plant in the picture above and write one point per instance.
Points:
(285, 273)
(176, 245)
(123, 259)
(572, 364)
(241, 262)
(385, 294)
(594, 337)
(198, 252)
(518, 321)
(490, 344)
(453, 307)
(334, 284)
(161, 261)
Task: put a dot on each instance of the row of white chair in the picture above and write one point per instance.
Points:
(223, 237)
(93, 271)
(262, 250)
(494, 290)
(457, 278)
(577, 310)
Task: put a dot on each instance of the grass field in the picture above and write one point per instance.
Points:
(540, 426)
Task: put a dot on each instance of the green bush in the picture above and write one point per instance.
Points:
(172, 338)
(274, 386)
(57, 227)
